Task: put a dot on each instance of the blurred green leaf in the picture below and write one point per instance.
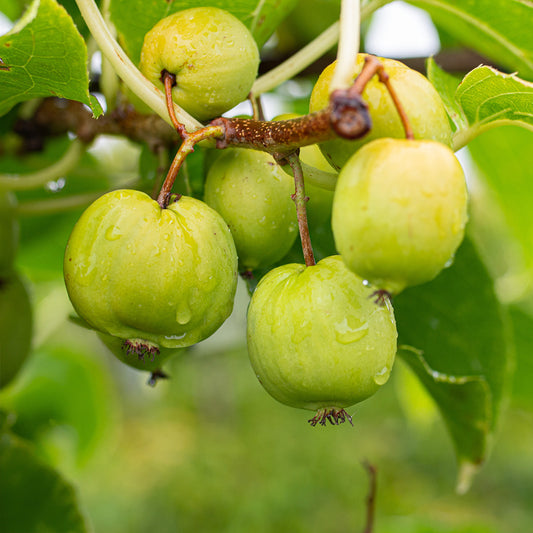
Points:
(10, 8)
(504, 156)
(35, 498)
(498, 29)
(460, 349)
(522, 323)
(62, 387)
(134, 18)
(44, 55)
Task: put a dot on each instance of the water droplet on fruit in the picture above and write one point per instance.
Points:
(382, 376)
(346, 333)
(113, 233)
(183, 314)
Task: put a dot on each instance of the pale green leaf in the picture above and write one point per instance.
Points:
(134, 18)
(44, 55)
(504, 159)
(498, 29)
(459, 346)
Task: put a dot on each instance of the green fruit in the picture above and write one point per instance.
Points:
(320, 200)
(419, 98)
(137, 353)
(9, 232)
(253, 195)
(316, 338)
(400, 211)
(136, 271)
(15, 327)
(212, 54)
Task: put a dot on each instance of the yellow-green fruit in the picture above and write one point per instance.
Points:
(137, 271)
(9, 231)
(417, 95)
(15, 327)
(212, 54)
(399, 211)
(253, 195)
(137, 353)
(317, 339)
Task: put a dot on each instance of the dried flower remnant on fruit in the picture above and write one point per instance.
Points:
(140, 348)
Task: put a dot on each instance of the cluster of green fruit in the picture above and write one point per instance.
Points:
(15, 305)
(153, 280)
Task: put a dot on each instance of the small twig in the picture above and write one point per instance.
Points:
(301, 211)
(257, 107)
(187, 146)
(371, 498)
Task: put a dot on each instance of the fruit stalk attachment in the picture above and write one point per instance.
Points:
(301, 211)
(169, 81)
(187, 146)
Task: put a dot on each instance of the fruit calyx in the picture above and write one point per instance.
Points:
(333, 415)
(140, 348)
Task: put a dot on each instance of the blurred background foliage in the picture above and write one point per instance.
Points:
(208, 450)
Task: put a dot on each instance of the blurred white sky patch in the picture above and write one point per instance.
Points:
(5, 24)
(401, 30)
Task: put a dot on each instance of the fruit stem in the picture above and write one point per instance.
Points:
(169, 81)
(371, 498)
(301, 211)
(257, 107)
(187, 146)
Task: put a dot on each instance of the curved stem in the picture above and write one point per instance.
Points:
(348, 45)
(301, 211)
(187, 146)
(297, 62)
(308, 54)
(39, 178)
(126, 70)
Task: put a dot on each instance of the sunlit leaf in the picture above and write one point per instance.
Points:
(44, 55)
(498, 29)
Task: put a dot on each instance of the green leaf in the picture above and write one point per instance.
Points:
(34, 496)
(522, 323)
(446, 85)
(505, 159)
(483, 100)
(498, 29)
(457, 343)
(44, 55)
(134, 18)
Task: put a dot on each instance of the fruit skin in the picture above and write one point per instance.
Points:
(400, 211)
(136, 271)
(212, 54)
(253, 195)
(316, 338)
(417, 95)
(9, 233)
(16, 323)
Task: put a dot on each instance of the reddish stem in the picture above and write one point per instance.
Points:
(187, 146)
(169, 81)
(301, 211)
